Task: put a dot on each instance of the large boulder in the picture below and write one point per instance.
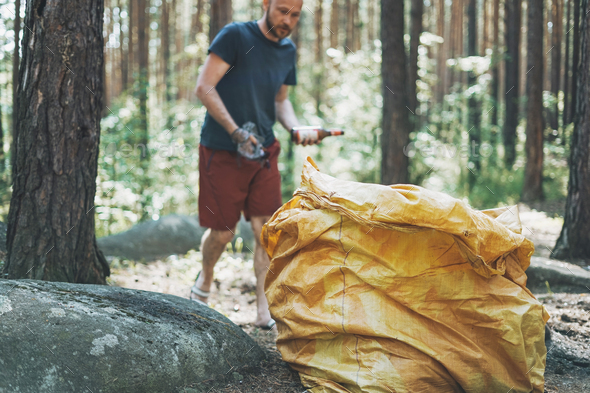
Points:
(60, 337)
(157, 239)
(561, 276)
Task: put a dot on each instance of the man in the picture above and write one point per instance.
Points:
(244, 79)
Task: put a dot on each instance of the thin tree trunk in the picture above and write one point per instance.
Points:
(15, 61)
(395, 124)
(196, 25)
(131, 60)
(51, 218)
(574, 240)
(441, 69)
(566, 76)
(349, 42)
(371, 22)
(334, 24)
(124, 55)
(143, 84)
(485, 23)
(575, 60)
(474, 114)
(221, 13)
(512, 60)
(495, 63)
(319, 56)
(532, 189)
(557, 13)
(415, 31)
(356, 26)
(165, 50)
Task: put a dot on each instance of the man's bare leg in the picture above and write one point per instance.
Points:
(213, 244)
(261, 264)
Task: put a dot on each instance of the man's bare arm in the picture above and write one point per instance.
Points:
(284, 108)
(213, 70)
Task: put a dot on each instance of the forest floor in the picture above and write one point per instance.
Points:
(568, 359)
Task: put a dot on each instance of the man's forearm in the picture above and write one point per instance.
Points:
(217, 109)
(286, 114)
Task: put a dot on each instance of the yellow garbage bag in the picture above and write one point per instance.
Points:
(400, 289)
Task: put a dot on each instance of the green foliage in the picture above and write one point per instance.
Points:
(172, 169)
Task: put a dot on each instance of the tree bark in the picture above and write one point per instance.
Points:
(512, 59)
(474, 114)
(165, 50)
(349, 42)
(122, 53)
(15, 60)
(221, 13)
(532, 189)
(334, 24)
(441, 69)
(395, 135)
(496, 63)
(574, 240)
(566, 72)
(556, 38)
(51, 218)
(370, 22)
(415, 31)
(131, 60)
(319, 56)
(575, 60)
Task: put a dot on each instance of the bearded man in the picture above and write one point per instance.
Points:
(244, 86)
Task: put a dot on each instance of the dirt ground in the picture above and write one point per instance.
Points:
(568, 359)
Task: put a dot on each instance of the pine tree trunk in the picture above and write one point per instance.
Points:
(495, 63)
(51, 218)
(575, 60)
(474, 114)
(349, 42)
(319, 56)
(485, 23)
(15, 60)
(557, 13)
(370, 22)
(334, 24)
(441, 69)
(532, 189)
(512, 13)
(131, 59)
(574, 241)
(221, 13)
(356, 26)
(415, 31)
(165, 49)
(566, 72)
(123, 55)
(395, 124)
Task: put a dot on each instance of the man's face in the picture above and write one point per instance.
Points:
(282, 16)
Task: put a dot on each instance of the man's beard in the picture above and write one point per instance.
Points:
(274, 28)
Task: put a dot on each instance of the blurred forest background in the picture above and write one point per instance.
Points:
(467, 64)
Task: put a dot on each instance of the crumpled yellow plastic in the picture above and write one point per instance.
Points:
(400, 289)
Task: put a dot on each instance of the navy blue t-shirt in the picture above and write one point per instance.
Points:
(258, 69)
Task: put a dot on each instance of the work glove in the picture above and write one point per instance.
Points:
(247, 148)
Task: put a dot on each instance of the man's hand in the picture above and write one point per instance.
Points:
(247, 144)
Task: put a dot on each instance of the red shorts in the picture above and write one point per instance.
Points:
(230, 184)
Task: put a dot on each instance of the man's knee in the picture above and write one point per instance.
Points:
(220, 236)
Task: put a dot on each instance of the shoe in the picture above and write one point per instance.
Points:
(199, 292)
(269, 325)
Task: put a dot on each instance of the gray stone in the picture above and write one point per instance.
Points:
(61, 337)
(172, 234)
(561, 276)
